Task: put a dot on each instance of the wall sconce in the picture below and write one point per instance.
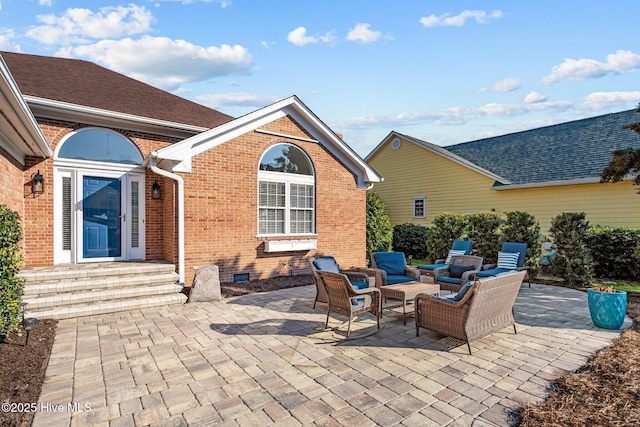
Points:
(155, 190)
(37, 183)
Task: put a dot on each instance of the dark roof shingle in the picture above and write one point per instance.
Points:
(566, 151)
(85, 83)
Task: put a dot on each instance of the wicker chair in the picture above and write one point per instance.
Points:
(393, 269)
(349, 302)
(487, 307)
(444, 276)
(360, 277)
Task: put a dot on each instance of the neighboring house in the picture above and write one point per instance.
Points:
(135, 173)
(543, 171)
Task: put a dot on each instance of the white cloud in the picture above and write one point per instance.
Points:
(446, 20)
(583, 69)
(236, 99)
(362, 33)
(299, 37)
(605, 100)
(507, 85)
(164, 62)
(6, 43)
(78, 25)
(45, 3)
(223, 3)
(534, 97)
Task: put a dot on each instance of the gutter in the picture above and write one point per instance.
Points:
(153, 166)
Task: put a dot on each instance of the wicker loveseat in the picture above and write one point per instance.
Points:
(487, 307)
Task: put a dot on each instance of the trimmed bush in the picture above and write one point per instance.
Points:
(410, 239)
(522, 227)
(379, 230)
(569, 234)
(484, 231)
(613, 251)
(447, 227)
(11, 286)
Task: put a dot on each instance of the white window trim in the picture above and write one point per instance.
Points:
(424, 206)
(288, 179)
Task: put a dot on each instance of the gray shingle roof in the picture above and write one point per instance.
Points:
(88, 84)
(567, 151)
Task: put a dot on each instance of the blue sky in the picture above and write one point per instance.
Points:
(442, 71)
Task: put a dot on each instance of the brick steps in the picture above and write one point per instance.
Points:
(69, 291)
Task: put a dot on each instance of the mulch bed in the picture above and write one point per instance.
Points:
(22, 370)
(273, 284)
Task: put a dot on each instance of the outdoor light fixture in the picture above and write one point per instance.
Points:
(37, 183)
(23, 308)
(28, 324)
(155, 190)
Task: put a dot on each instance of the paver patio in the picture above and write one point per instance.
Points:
(263, 359)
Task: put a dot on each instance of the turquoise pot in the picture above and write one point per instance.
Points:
(607, 309)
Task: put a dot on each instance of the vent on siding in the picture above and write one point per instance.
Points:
(66, 213)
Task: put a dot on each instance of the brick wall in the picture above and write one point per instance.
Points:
(221, 209)
(11, 185)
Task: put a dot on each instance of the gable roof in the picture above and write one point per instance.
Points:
(571, 152)
(84, 83)
(20, 135)
(177, 157)
(437, 150)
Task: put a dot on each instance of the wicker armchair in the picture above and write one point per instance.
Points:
(447, 276)
(359, 277)
(393, 269)
(487, 307)
(349, 302)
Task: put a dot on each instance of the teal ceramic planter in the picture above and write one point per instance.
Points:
(607, 309)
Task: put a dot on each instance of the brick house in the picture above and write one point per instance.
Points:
(133, 173)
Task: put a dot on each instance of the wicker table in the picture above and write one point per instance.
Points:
(406, 292)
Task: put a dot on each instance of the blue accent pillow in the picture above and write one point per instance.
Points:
(456, 271)
(391, 262)
(463, 291)
(327, 263)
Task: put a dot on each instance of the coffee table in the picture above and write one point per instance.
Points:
(405, 293)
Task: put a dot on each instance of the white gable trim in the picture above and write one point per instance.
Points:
(292, 106)
(441, 151)
(19, 132)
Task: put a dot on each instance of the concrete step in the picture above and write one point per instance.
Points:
(44, 275)
(105, 307)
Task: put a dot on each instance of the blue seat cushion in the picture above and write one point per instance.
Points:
(394, 279)
(360, 285)
(463, 291)
(431, 266)
(357, 303)
(454, 280)
(457, 270)
(327, 263)
(391, 262)
(492, 272)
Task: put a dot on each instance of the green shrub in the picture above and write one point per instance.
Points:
(447, 227)
(613, 251)
(410, 239)
(484, 231)
(522, 227)
(379, 230)
(569, 234)
(11, 286)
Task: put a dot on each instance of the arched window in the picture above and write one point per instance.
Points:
(286, 192)
(100, 145)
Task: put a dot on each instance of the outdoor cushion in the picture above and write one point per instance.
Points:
(463, 291)
(327, 263)
(492, 272)
(508, 260)
(360, 285)
(453, 252)
(394, 279)
(391, 262)
(431, 266)
(446, 279)
(456, 270)
(357, 303)
(462, 245)
(513, 247)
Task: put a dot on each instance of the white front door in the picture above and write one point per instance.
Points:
(99, 215)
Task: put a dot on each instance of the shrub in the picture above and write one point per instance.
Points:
(613, 251)
(569, 234)
(483, 231)
(11, 286)
(410, 239)
(522, 227)
(379, 230)
(447, 227)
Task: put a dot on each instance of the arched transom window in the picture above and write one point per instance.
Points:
(286, 192)
(100, 145)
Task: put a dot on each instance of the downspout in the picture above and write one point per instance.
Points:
(152, 165)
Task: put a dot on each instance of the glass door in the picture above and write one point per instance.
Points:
(103, 217)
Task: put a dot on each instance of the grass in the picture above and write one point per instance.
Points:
(620, 286)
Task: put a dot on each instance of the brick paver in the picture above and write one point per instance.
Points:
(264, 360)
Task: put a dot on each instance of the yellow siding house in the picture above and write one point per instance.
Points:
(543, 171)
